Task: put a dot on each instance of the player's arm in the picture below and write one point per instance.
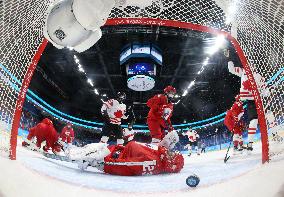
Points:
(156, 102)
(104, 108)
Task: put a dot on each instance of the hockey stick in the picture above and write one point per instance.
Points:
(228, 157)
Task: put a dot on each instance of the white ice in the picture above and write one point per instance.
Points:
(243, 175)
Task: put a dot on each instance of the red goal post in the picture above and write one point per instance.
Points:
(155, 22)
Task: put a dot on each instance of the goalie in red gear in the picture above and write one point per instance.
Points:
(233, 121)
(158, 118)
(44, 131)
(131, 160)
(67, 134)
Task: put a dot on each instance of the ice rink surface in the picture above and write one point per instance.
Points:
(243, 175)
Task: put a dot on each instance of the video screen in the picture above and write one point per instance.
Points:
(141, 51)
(141, 69)
(141, 48)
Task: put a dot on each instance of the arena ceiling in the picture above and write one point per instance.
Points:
(58, 81)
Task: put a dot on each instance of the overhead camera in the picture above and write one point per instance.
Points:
(76, 23)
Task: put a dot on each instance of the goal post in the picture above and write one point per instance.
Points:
(21, 99)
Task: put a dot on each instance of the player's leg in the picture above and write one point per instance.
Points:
(155, 131)
(241, 143)
(190, 148)
(118, 134)
(106, 131)
(253, 122)
(236, 141)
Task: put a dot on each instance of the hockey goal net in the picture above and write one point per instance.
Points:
(256, 27)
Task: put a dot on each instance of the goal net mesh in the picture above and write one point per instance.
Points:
(256, 25)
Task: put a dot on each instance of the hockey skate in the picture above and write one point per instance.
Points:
(249, 146)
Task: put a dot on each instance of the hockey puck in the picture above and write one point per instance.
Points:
(192, 181)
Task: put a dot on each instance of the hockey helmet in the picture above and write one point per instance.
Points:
(69, 125)
(47, 121)
(121, 96)
(174, 162)
(170, 89)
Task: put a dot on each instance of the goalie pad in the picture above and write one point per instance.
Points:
(90, 152)
(170, 140)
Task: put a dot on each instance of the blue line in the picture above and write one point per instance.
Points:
(275, 76)
(209, 124)
(15, 87)
(206, 120)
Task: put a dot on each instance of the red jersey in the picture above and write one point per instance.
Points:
(139, 159)
(67, 134)
(45, 131)
(232, 118)
(157, 105)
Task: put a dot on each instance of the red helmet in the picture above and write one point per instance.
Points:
(47, 121)
(169, 89)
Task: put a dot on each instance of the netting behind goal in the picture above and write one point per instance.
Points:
(257, 27)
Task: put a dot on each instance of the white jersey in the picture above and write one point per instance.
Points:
(192, 135)
(115, 111)
(246, 94)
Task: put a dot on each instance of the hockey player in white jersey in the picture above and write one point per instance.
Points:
(113, 111)
(192, 138)
(246, 95)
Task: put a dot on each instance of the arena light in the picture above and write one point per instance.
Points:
(177, 96)
(185, 93)
(219, 42)
(90, 82)
(191, 84)
(206, 61)
(81, 69)
(96, 91)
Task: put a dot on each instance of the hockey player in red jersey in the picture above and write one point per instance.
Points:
(246, 94)
(44, 131)
(67, 134)
(233, 121)
(158, 118)
(133, 159)
(113, 111)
